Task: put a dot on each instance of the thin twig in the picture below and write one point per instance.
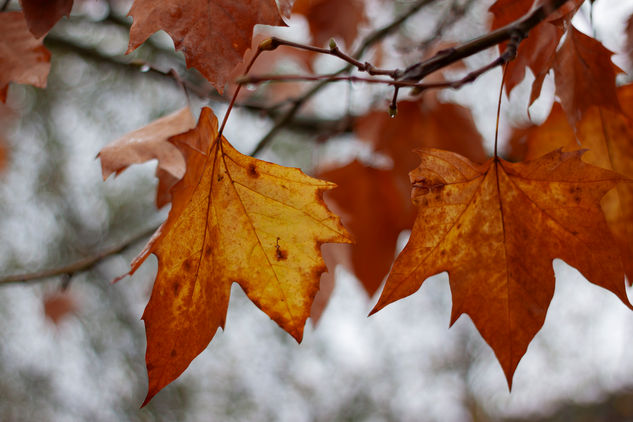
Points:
(83, 264)
(369, 41)
(517, 29)
(509, 54)
(336, 52)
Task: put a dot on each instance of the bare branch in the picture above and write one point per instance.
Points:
(81, 265)
(369, 41)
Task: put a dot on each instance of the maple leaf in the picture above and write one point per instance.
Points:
(375, 228)
(42, 15)
(213, 34)
(495, 228)
(538, 50)
(23, 58)
(332, 19)
(233, 219)
(607, 134)
(535, 52)
(148, 143)
(585, 75)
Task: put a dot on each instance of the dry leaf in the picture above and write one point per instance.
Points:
(332, 19)
(148, 143)
(23, 58)
(42, 15)
(495, 228)
(375, 228)
(607, 135)
(418, 124)
(233, 219)
(585, 75)
(58, 306)
(213, 34)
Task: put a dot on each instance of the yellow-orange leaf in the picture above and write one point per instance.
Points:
(213, 34)
(233, 219)
(495, 228)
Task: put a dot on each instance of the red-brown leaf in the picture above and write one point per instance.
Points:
(23, 58)
(375, 228)
(42, 15)
(213, 34)
(495, 228)
(148, 143)
(585, 75)
(332, 19)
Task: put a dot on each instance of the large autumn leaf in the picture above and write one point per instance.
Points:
(42, 15)
(148, 143)
(233, 219)
(23, 58)
(495, 228)
(213, 34)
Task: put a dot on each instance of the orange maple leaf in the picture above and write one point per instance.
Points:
(233, 219)
(23, 58)
(213, 34)
(495, 228)
(42, 15)
(148, 143)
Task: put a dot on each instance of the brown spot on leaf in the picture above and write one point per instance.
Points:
(208, 251)
(173, 353)
(252, 170)
(175, 287)
(186, 265)
(280, 254)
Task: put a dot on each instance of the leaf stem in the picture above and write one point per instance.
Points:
(503, 79)
(260, 48)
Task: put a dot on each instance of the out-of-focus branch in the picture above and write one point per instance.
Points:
(83, 264)
(203, 90)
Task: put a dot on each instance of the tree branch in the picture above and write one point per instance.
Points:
(369, 41)
(518, 29)
(83, 264)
